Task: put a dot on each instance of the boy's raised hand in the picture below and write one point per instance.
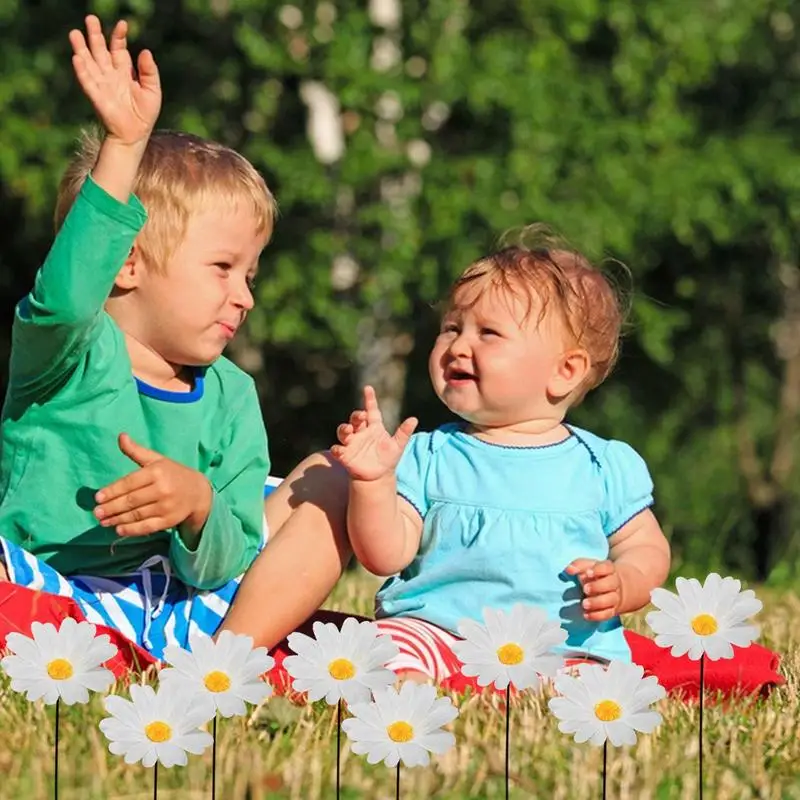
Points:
(161, 495)
(127, 104)
(366, 449)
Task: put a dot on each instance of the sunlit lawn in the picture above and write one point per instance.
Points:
(283, 751)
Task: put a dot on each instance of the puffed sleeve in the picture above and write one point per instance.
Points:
(628, 486)
(412, 471)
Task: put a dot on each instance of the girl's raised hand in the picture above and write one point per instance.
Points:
(127, 101)
(366, 449)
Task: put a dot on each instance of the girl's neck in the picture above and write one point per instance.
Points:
(528, 434)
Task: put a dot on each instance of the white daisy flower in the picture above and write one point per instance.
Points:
(228, 670)
(404, 726)
(510, 648)
(610, 703)
(346, 664)
(157, 726)
(63, 663)
(704, 619)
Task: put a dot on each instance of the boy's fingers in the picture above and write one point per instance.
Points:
(118, 46)
(139, 514)
(78, 43)
(135, 452)
(130, 483)
(126, 503)
(143, 528)
(97, 42)
(148, 71)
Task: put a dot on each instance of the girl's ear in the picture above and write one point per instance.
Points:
(130, 273)
(570, 372)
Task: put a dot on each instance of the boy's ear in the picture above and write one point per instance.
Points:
(130, 273)
(571, 370)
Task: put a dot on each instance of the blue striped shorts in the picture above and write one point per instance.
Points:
(150, 606)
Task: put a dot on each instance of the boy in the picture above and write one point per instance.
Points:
(116, 364)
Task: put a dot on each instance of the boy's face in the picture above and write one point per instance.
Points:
(194, 307)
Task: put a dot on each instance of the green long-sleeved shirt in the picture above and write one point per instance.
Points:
(72, 392)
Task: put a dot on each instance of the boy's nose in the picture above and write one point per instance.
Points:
(244, 298)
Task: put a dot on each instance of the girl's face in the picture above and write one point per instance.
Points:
(495, 363)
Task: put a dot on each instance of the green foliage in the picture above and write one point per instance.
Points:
(661, 134)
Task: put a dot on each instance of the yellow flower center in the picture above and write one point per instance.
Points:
(59, 669)
(400, 732)
(607, 711)
(217, 681)
(510, 654)
(342, 669)
(158, 731)
(704, 625)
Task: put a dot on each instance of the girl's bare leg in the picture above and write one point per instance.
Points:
(305, 556)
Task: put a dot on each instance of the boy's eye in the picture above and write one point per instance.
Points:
(223, 265)
(251, 282)
(489, 332)
(449, 327)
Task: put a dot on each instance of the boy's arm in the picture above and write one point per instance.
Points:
(54, 323)
(384, 529)
(232, 535)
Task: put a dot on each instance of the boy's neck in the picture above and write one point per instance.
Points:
(151, 368)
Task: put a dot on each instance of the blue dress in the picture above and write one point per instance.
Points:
(502, 523)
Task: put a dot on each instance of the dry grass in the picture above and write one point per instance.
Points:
(751, 751)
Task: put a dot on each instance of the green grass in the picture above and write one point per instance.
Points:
(751, 750)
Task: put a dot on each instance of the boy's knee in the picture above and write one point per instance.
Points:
(318, 484)
(320, 481)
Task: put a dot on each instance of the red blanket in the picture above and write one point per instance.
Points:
(752, 670)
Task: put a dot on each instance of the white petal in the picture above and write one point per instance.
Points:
(195, 742)
(24, 647)
(304, 646)
(645, 721)
(170, 755)
(72, 692)
(620, 733)
(229, 705)
(717, 648)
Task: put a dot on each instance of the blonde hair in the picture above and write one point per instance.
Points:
(180, 174)
(590, 307)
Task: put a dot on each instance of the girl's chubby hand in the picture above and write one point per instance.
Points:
(127, 101)
(602, 587)
(366, 449)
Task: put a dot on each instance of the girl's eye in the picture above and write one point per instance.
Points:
(251, 282)
(223, 265)
(489, 332)
(450, 327)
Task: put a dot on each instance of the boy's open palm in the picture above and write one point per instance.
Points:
(127, 104)
(160, 495)
(366, 449)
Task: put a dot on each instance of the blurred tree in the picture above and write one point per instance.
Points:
(403, 137)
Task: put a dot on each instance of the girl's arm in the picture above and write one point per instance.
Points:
(385, 530)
